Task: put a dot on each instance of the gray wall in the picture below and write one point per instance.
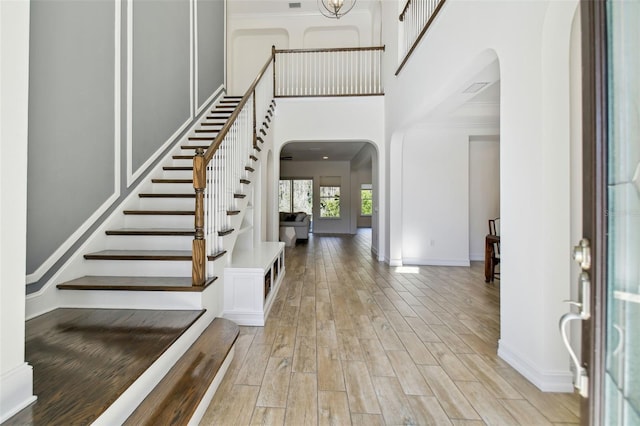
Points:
(72, 134)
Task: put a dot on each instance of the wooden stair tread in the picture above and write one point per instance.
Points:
(183, 157)
(224, 232)
(168, 195)
(152, 231)
(177, 396)
(161, 212)
(172, 180)
(177, 168)
(91, 282)
(140, 255)
(194, 146)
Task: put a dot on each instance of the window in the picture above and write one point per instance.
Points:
(366, 200)
(295, 195)
(330, 201)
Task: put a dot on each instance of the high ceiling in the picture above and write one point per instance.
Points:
(315, 151)
(281, 7)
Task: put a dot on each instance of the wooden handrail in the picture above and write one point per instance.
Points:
(404, 11)
(422, 33)
(200, 162)
(337, 49)
(208, 155)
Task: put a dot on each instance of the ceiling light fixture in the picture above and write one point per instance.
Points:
(325, 158)
(335, 8)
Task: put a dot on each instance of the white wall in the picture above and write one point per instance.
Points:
(484, 190)
(531, 41)
(251, 35)
(315, 170)
(435, 203)
(16, 376)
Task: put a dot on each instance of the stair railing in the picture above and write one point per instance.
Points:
(415, 20)
(219, 172)
(353, 71)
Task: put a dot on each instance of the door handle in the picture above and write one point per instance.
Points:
(581, 380)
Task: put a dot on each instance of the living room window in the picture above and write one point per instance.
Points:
(366, 199)
(329, 201)
(295, 195)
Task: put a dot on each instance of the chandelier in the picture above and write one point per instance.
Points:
(335, 8)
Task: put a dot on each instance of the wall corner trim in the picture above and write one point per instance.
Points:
(546, 381)
(16, 391)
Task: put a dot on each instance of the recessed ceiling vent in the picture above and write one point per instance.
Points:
(296, 5)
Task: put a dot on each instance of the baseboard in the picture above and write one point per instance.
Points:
(546, 381)
(434, 262)
(16, 391)
(475, 257)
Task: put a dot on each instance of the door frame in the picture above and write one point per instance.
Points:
(594, 162)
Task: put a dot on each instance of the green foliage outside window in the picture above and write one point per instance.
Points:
(329, 201)
(366, 202)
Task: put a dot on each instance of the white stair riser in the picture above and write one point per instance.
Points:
(167, 203)
(159, 221)
(139, 268)
(148, 242)
(177, 174)
(172, 188)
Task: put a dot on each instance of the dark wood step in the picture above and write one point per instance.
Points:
(265, 124)
(225, 232)
(153, 231)
(177, 168)
(259, 139)
(264, 133)
(268, 118)
(207, 131)
(160, 212)
(217, 255)
(245, 181)
(182, 284)
(84, 359)
(257, 148)
(205, 147)
(202, 138)
(239, 195)
(178, 255)
(172, 181)
(151, 195)
(270, 112)
(253, 157)
(182, 157)
(220, 123)
(219, 115)
(233, 212)
(249, 169)
(175, 399)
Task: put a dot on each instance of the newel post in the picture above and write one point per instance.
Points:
(198, 248)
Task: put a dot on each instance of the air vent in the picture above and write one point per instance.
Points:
(296, 5)
(286, 158)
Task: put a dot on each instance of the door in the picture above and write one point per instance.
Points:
(611, 212)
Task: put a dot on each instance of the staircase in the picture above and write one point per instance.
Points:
(152, 251)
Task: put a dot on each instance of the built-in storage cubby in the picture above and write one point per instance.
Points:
(251, 282)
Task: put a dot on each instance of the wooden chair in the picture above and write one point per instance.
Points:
(494, 229)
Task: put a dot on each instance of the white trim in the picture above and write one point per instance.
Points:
(546, 381)
(194, 50)
(129, 88)
(66, 245)
(71, 240)
(192, 58)
(394, 262)
(16, 391)
(434, 262)
(131, 175)
(219, 91)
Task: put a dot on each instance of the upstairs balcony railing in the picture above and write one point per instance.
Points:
(353, 71)
(415, 20)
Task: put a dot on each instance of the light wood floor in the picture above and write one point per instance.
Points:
(353, 341)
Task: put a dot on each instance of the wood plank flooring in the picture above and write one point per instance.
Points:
(83, 359)
(353, 341)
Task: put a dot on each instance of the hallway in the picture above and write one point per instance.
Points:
(353, 341)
